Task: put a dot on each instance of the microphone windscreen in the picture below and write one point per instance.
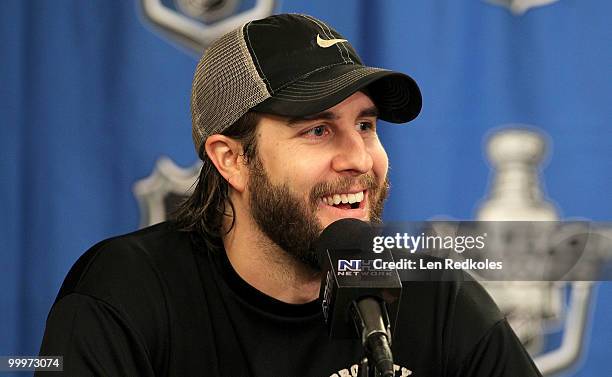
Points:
(346, 234)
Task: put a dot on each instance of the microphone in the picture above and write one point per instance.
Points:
(359, 297)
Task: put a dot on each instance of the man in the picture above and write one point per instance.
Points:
(284, 119)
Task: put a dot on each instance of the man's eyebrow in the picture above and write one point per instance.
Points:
(324, 115)
(369, 112)
(328, 115)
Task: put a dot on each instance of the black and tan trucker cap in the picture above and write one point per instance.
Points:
(289, 65)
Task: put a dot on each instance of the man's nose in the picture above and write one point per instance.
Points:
(353, 155)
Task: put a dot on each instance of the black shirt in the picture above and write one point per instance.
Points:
(153, 303)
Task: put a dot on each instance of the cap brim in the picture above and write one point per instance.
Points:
(396, 95)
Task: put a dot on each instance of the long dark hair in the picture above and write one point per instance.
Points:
(202, 213)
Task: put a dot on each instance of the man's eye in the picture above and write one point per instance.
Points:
(317, 131)
(365, 126)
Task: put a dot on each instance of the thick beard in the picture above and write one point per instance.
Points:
(292, 224)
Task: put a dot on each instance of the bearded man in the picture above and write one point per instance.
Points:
(285, 121)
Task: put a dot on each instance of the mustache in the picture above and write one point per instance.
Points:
(366, 181)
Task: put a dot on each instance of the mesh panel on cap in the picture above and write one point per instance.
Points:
(225, 86)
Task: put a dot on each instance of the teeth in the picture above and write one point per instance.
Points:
(359, 196)
(343, 198)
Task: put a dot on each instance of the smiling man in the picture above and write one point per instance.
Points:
(285, 121)
(302, 174)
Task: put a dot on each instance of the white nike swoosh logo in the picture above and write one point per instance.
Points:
(325, 43)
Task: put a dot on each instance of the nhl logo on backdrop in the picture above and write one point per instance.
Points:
(196, 23)
(160, 193)
(208, 11)
(519, 7)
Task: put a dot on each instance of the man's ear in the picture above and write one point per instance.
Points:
(226, 154)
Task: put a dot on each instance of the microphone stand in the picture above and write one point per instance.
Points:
(372, 322)
(364, 370)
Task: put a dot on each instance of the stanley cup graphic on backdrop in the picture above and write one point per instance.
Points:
(532, 307)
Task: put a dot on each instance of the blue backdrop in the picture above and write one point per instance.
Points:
(91, 95)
